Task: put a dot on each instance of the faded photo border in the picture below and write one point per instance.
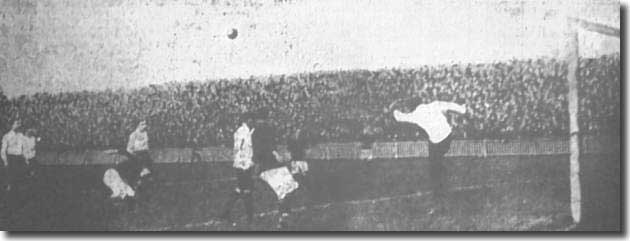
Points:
(148, 67)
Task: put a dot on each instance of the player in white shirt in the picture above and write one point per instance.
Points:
(12, 154)
(13, 159)
(431, 117)
(125, 178)
(244, 170)
(138, 148)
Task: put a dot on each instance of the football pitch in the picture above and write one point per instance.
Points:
(508, 193)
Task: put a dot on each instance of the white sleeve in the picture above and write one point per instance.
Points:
(403, 117)
(130, 144)
(450, 106)
(237, 140)
(3, 151)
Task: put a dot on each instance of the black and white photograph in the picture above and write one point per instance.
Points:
(311, 115)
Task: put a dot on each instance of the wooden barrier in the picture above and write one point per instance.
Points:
(341, 151)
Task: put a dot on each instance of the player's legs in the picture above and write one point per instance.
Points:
(11, 175)
(443, 148)
(299, 170)
(248, 199)
(247, 185)
(145, 159)
(33, 166)
(438, 170)
(16, 173)
(284, 205)
(16, 170)
(229, 204)
(131, 203)
(129, 171)
(306, 184)
(234, 196)
(244, 190)
(136, 167)
(283, 212)
(147, 164)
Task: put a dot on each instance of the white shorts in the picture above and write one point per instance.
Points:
(119, 188)
(280, 180)
(299, 167)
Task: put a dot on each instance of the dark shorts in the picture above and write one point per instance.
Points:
(440, 149)
(267, 161)
(245, 181)
(144, 158)
(438, 169)
(33, 165)
(17, 169)
(129, 170)
(33, 162)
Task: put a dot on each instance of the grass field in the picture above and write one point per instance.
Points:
(521, 193)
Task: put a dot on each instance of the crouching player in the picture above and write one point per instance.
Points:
(120, 178)
(117, 185)
(279, 174)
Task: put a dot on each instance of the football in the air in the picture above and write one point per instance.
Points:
(232, 34)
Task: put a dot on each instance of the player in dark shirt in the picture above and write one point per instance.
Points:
(267, 158)
(296, 145)
(264, 145)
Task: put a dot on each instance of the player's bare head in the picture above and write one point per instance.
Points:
(247, 118)
(31, 132)
(142, 125)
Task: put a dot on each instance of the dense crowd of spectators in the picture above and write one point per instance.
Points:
(513, 99)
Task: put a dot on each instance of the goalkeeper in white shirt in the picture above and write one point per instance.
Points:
(432, 119)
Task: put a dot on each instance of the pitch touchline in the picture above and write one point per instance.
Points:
(325, 205)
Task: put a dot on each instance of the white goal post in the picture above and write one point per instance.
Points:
(574, 129)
